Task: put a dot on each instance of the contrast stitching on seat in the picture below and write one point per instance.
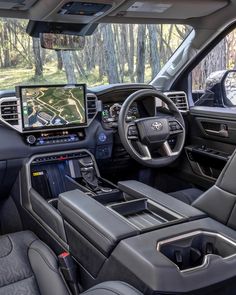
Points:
(44, 258)
(45, 245)
(230, 213)
(33, 242)
(11, 248)
(32, 276)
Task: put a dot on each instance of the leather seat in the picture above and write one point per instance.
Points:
(28, 266)
(112, 288)
(187, 196)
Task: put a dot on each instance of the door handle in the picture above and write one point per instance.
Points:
(223, 132)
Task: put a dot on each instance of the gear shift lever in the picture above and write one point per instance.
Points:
(89, 176)
(88, 173)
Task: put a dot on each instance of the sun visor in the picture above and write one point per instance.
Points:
(34, 28)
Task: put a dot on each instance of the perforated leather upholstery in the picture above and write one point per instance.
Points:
(29, 267)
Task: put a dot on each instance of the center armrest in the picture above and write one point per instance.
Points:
(140, 190)
(97, 223)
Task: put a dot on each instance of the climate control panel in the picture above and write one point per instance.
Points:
(42, 139)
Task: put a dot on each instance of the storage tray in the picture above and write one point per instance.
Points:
(144, 213)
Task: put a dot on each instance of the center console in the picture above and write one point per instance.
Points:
(129, 232)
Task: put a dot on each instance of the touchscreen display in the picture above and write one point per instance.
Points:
(52, 106)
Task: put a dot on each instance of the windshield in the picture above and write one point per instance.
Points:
(115, 53)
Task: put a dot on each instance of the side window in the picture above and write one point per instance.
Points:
(214, 78)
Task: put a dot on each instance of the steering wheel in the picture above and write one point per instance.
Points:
(143, 138)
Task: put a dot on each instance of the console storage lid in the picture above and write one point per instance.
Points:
(101, 226)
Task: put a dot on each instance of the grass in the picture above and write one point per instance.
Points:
(11, 77)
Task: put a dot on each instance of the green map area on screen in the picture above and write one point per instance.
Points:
(53, 106)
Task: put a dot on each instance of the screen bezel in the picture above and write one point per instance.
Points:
(56, 127)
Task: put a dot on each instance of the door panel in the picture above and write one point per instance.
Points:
(211, 139)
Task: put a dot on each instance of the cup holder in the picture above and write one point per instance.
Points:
(193, 250)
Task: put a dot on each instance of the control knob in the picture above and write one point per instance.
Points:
(31, 139)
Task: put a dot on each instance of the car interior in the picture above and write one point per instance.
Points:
(127, 188)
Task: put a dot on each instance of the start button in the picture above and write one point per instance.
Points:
(102, 137)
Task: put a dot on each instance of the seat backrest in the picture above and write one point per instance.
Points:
(219, 202)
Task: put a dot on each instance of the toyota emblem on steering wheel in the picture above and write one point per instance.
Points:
(157, 126)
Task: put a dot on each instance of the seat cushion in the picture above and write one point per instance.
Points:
(28, 266)
(187, 196)
(112, 288)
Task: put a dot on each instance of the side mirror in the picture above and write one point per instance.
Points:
(229, 87)
(62, 41)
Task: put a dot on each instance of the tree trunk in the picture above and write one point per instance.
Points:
(79, 65)
(154, 57)
(37, 58)
(6, 51)
(141, 47)
(131, 52)
(59, 61)
(69, 67)
(110, 55)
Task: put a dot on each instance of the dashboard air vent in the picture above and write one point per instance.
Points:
(91, 106)
(179, 98)
(9, 111)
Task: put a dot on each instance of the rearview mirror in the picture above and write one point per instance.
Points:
(229, 86)
(62, 41)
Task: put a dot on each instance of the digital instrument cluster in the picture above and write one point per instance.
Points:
(111, 112)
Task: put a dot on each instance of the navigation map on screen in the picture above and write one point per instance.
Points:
(53, 106)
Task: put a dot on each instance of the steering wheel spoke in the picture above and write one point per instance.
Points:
(146, 155)
(168, 150)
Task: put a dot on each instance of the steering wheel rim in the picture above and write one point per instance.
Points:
(170, 155)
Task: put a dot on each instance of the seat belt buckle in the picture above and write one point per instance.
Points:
(69, 271)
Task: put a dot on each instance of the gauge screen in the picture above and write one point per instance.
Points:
(111, 112)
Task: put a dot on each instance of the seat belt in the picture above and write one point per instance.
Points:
(69, 271)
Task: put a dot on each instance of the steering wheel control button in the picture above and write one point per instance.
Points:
(132, 132)
(102, 137)
(175, 127)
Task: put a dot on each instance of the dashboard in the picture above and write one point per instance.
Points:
(99, 134)
(99, 111)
